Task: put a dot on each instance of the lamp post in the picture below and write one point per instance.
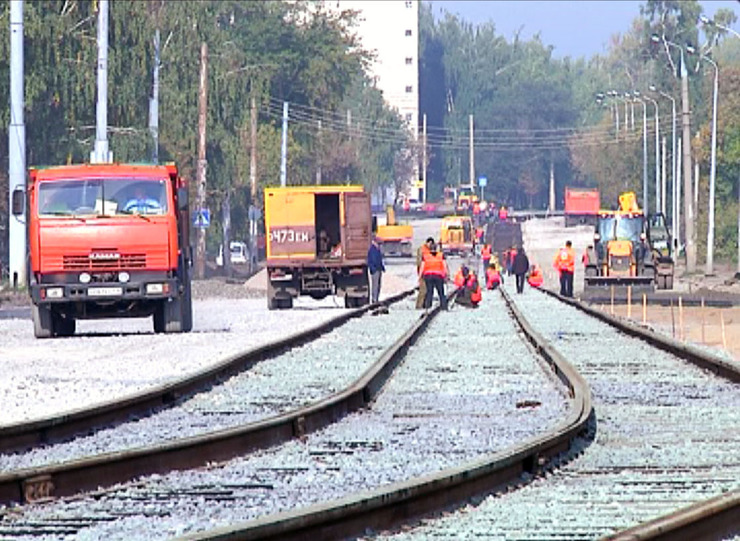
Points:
(659, 202)
(710, 22)
(673, 142)
(690, 236)
(709, 268)
(636, 96)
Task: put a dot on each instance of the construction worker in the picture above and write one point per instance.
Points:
(519, 267)
(493, 277)
(641, 251)
(460, 276)
(589, 256)
(502, 214)
(510, 261)
(434, 271)
(470, 294)
(535, 278)
(420, 253)
(565, 263)
(485, 255)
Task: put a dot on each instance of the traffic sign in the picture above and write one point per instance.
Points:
(202, 218)
(482, 181)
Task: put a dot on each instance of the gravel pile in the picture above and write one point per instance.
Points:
(666, 436)
(459, 394)
(294, 379)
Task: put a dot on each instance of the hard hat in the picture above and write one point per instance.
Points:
(642, 236)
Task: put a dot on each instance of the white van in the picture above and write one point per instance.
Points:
(238, 250)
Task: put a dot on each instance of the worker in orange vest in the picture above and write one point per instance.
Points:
(502, 214)
(493, 277)
(470, 293)
(434, 271)
(422, 251)
(565, 264)
(535, 277)
(460, 276)
(485, 255)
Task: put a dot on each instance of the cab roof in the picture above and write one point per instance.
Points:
(87, 170)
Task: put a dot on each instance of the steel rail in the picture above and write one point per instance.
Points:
(33, 484)
(404, 501)
(23, 436)
(711, 519)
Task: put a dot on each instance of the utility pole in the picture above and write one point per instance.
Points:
(679, 174)
(101, 153)
(16, 149)
(472, 153)
(319, 157)
(663, 181)
(551, 205)
(253, 184)
(284, 148)
(200, 259)
(690, 237)
(424, 158)
(154, 102)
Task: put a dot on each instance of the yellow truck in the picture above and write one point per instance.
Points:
(394, 238)
(457, 235)
(317, 238)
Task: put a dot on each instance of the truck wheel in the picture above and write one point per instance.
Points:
(63, 326)
(187, 307)
(168, 316)
(43, 322)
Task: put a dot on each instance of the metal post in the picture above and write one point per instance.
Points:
(424, 158)
(284, 147)
(319, 156)
(659, 197)
(16, 148)
(200, 259)
(472, 153)
(677, 187)
(645, 202)
(663, 180)
(154, 103)
(689, 235)
(252, 184)
(712, 174)
(101, 154)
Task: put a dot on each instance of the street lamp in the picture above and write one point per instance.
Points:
(709, 270)
(710, 22)
(659, 194)
(636, 96)
(690, 236)
(673, 152)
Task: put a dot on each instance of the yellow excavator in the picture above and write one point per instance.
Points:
(395, 239)
(623, 254)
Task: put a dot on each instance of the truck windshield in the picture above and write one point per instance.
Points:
(629, 228)
(109, 197)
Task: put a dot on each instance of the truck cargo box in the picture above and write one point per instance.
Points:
(317, 243)
(582, 206)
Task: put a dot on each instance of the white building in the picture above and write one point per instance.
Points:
(390, 29)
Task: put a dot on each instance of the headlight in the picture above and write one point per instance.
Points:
(154, 289)
(84, 278)
(54, 292)
(123, 277)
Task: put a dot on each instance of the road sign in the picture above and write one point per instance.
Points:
(202, 218)
(482, 181)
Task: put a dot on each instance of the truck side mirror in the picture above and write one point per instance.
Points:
(18, 201)
(182, 199)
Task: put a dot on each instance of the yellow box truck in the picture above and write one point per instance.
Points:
(317, 241)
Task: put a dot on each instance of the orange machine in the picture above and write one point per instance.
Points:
(317, 243)
(457, 235)
(108, 240)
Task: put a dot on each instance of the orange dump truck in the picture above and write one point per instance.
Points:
(108, 241)
(317, 243)
(582, 206)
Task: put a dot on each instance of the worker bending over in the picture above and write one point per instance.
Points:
(535, 278)
(434, 271)
(470, 293)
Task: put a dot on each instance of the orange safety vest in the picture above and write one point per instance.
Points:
(565, 260)
(459, 279)
(493, 276)
(535, 279)
(434, 265)
(485, 252)
(502, 213)
(476, 208)
(475, 294)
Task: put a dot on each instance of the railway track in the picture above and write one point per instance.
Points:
(168, 418)
(434, 413)
(628, 486)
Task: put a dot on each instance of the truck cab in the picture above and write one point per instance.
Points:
(108, 241)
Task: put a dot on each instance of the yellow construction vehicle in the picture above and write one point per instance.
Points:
(623, 255)
(395, 239)
(457, 235)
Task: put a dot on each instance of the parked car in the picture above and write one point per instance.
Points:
(238, 250)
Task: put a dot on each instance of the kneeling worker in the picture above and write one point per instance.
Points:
(535, 277)
(470, 294)
(493, 277)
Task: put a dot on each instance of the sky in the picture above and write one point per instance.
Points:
(581, 28)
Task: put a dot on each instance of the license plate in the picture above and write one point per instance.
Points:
(104, 291)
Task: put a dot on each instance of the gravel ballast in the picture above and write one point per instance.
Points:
(469, 387)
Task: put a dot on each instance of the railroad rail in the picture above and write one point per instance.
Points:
(86, 473)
